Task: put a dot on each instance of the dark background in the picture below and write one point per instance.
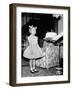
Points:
(44, 23)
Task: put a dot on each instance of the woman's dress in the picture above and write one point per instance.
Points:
(51, 56)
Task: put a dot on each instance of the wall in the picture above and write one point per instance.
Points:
(60, 25)
(60, 30)
(4, 45)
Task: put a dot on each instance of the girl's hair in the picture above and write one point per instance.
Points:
(31, 26)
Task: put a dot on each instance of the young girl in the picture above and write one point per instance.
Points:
(33, 51)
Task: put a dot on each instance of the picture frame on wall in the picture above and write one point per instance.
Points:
(39, 44)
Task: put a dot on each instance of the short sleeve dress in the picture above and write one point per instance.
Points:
(33, 51)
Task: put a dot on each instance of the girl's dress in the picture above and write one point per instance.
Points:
(33, 51)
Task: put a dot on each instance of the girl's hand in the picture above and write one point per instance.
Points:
(44, 53)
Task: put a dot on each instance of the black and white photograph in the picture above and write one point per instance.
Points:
(40, 44)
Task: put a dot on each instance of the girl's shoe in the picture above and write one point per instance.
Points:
(32, 71)
(35, 70)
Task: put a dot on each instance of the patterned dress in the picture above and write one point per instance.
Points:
(51, 56)
(33, 51)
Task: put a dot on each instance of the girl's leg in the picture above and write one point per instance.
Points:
(34, 68)
(31, 65)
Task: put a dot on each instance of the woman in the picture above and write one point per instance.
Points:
(50, 51)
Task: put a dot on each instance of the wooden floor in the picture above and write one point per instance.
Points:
(42, 72)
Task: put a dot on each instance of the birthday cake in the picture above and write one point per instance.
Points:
(50, 35)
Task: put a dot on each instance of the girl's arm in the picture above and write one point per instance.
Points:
(26, 43)
(30, 46)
